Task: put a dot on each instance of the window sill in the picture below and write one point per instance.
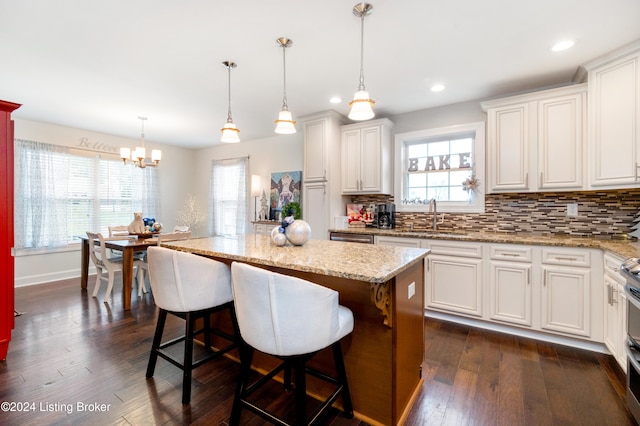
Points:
(47, 250)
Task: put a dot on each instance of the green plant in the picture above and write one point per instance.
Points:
(292, 209)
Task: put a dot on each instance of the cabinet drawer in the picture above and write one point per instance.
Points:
(612, 264)
(511, 253)
(566, 257)
(457, 249)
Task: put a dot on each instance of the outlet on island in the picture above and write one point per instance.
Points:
(572, 209)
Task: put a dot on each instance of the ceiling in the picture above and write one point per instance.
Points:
(98, 65)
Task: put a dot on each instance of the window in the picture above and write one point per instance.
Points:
(61, 193)
(228, 197)
(445, 164)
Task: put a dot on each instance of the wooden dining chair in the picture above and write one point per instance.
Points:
(169, 236)
(103, 261)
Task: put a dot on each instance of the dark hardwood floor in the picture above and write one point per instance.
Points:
(70, 348)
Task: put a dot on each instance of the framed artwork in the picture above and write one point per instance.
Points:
(285, 188)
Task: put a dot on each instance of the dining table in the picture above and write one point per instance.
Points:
(128, 246)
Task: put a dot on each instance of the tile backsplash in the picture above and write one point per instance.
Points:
(604, 214)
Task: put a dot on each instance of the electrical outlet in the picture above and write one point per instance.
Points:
(411, 291)
(572, 210)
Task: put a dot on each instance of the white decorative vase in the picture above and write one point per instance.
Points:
(278, 238)
(298, 232)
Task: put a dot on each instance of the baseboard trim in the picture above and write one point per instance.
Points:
(536, 335)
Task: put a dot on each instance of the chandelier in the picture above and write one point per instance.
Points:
(138, 156)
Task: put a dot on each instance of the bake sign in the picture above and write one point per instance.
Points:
(440, 162)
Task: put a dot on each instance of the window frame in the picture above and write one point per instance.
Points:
(402, 140)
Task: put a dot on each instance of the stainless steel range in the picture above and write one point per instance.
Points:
(630, 269)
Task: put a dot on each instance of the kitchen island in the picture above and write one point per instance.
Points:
(383, 286)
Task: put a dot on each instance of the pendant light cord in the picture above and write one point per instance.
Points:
(361, 85)
(229, 119)
(285, 107)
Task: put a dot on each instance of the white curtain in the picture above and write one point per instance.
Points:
(229, 196)
(41, 194)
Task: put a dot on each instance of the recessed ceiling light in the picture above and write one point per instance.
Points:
(437, 88)
(335, 100)
(562, 45)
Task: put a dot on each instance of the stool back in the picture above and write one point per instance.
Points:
(284, 315)
(185, 282)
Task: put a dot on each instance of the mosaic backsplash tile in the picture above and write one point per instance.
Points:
(604, 214)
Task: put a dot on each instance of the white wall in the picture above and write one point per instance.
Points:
(175, 175)
(279, 153)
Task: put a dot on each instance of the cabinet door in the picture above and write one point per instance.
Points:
(614, 120)
(351, 161)
(560, 142)
(566, 300)
(611, 316)
(315, 151)
(370, 161)
(454, 284)
(508, 130)
(622, 328)
(316, 210)
(510, 290)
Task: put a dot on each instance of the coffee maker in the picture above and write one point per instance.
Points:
(385, 216)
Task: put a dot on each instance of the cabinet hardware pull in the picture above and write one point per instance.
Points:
(528, 276)
(569, 259)
(526, 180)
(636, 178)
(511, 254)
(609, 294)
(614, 298)
(541, 180)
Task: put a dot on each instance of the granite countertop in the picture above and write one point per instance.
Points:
(623, 248)
(361, 262)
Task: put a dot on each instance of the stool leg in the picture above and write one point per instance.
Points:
(301, 392)
(157, 339)
(207, 332)
(188, 358)
(287, 376)
(246, 357)
(342, 379)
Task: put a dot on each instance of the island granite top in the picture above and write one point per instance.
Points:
(360, 262)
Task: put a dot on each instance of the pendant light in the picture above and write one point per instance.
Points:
(229, 130)
(361, 105)
(139, 154)
(285, 124)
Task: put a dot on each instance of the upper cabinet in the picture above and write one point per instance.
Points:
(536, 141)
(321, 139)
(614, 119)
(366, 157)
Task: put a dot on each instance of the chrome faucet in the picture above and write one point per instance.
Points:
(434, 209)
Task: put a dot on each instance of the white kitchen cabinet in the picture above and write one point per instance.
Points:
(615, 310)
(384, 240)
(321, 190)
(567, 297)
(536, 141)
(510, 288)
(454, 277)
(614, 119)
(366, 157)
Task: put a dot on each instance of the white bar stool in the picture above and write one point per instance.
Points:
(190, 287)
(291, 319)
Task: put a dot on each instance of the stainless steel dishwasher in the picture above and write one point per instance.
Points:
(351, 238)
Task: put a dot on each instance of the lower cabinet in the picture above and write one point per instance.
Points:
(548, 289)
(510, 289)
(615, 310)
(454, 277)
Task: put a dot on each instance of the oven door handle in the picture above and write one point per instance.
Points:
(631, 297)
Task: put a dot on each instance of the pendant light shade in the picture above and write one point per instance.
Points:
(285, 124)
(230, 133)
(362, 104)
